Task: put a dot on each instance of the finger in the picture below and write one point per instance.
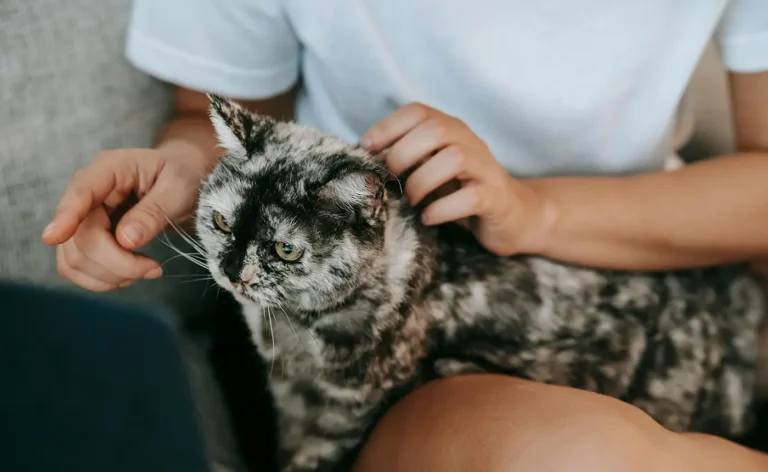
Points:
(85, 281)
(468, 201)
(449, 164)
(395, 126)
(89, 188)
(102, 251)
(422, 142)
(79, 262)
(150, 215)
(90, 283)
(86, 190)
(115, 199)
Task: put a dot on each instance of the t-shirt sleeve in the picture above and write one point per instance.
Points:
(743, 36)
(238, 48)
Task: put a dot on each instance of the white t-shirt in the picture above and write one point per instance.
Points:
(552, 86)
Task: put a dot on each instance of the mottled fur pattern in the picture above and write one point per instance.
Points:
(379, 304)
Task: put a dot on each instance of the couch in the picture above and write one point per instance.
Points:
(66, 92)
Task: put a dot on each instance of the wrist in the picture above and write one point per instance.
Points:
(191, 140)
(539, 217)
(186, 153)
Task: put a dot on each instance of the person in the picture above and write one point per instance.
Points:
(555, 118)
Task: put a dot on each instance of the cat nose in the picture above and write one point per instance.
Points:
(248, 275)
(239, 275)
(232, 267)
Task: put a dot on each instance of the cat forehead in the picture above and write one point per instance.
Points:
(302, 140)
(304, 149)
(227, 197)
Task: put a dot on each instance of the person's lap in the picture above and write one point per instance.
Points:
(497, 423)
(494, 423)
(475, 423)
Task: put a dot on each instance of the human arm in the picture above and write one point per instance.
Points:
(707, 213)
(710, 212)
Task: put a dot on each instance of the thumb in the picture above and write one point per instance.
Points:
(142, 223)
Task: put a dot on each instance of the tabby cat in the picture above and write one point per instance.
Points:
(353, 303)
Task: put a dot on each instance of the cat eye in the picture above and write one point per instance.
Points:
(220, 222)
(288, 252)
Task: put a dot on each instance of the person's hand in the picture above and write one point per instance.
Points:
(93, 254)
(439, 150)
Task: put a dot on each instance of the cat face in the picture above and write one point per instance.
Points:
(290, 217)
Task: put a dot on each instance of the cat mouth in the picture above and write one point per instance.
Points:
(247, 291)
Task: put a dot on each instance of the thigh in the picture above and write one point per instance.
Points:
(498, 423)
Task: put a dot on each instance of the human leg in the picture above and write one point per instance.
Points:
(490, 423)
(89, 385)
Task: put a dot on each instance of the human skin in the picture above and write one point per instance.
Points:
(166, 179)
(702, 214)
(489, 423)
(710, 212)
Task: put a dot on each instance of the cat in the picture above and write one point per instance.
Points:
(353, 303)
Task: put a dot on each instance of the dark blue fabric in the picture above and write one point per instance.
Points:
(90, 384)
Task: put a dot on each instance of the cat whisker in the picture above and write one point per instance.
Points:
(309, 331)
(191, 278)
(395, 178)
(203, 279)
(167, 242)
(165, 239)
(186, 276)
(293, 328)
(207, 286)
(272, 332)
(191, 257)
(170, 259)
(186, 236)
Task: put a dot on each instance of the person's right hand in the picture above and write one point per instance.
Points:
(88, 252)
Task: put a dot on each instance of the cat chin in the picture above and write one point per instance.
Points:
(303, 302)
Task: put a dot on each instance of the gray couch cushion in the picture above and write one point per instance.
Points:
(67, 92)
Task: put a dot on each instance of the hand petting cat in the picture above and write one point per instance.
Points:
(445, 159)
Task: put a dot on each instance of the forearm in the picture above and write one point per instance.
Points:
(707, 213)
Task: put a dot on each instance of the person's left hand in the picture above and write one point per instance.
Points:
(505, 215)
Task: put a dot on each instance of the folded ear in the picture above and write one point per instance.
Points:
(240, 132)
(356, 191)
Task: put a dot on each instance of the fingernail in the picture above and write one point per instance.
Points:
(133, 234)
(154, 273)
(48, 230)
(425, 219)
(366, 142)
(126, 284)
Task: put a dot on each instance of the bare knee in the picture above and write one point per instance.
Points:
(499, 424)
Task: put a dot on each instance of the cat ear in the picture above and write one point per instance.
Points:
(240, 132)
(359, 190)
